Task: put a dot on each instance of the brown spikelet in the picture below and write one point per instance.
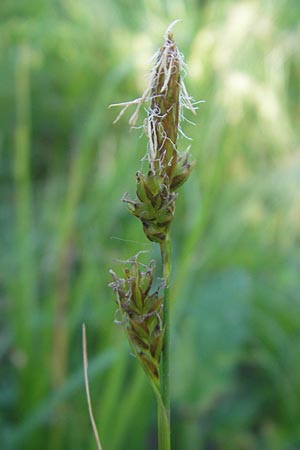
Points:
(163, 116)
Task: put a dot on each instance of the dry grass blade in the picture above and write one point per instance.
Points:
(87, 388)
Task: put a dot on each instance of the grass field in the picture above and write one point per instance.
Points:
(236, 261)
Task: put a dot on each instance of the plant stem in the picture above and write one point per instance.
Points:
(165, 248)
(163, 419)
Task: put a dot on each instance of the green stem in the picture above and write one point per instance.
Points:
(164, 425)
(163, 419)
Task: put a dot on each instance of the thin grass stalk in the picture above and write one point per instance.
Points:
(87, 388)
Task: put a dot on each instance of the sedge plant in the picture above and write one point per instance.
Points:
(145, 311)
(142, 309)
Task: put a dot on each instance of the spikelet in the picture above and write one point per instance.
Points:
(140, 311)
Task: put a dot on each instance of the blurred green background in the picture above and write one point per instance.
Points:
(236, 254)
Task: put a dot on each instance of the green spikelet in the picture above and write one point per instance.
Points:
(141, 313)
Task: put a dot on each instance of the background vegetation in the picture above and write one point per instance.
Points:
(64, 168)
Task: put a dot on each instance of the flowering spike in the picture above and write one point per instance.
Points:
(144, 312)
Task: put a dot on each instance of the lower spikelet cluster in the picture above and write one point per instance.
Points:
(141, 313)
